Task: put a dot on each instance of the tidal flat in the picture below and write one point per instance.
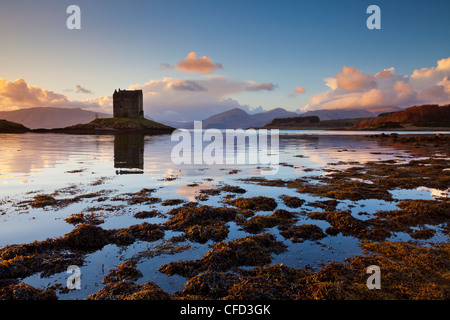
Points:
(140, 227)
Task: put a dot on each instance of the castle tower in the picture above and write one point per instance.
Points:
(128, 103)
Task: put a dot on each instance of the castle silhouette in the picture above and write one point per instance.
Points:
(128, 104)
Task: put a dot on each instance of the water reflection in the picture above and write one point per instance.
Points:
(129, 153)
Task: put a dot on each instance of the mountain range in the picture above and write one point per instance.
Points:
(49, 118)
(238, 118)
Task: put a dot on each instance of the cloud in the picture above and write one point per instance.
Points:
(352, 88)
(19, 94)
(443, 66)
(16, 94)
(165, 66)
(189, 85)
(429, 77)
(386, 73)
(192, 64)
(187, 100)
(80, 89)
(352, 79)
(267, 86)
(297, 90)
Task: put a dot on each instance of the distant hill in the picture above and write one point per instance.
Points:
(237, 118)
(313, 123)
(413, 117)
(330, 114)
(47, 118)
(12, 127)
(335, 114)
(294, 121)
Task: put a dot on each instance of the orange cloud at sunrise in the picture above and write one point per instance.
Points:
(297, 90)
(352, 79)
(354, 89)
(201, 65)
(19, 94)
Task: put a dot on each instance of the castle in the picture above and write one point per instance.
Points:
(128, 103)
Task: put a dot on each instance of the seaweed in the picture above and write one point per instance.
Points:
(248, 251)
(202, 233)
(280, 217)
(303, 232)
(78, 218)
(172, 202)
(124, 271)
(24, 291)
(409, 271)
(189, 215)
(129, 290)
(292, 202)
(259, 203)
(45, 200)
(55, 255)
(146, 214)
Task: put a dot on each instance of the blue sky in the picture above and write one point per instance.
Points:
(284, 43)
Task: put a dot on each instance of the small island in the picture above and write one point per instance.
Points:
(114, 125)
(12, 127)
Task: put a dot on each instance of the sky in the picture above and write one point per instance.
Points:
(196, 58)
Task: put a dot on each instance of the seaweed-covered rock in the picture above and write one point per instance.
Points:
(188, 215)
(172, 202)
(280, 217)
(418, 212)
(86, 237)
(273, 282)
(209, 284)
(202, 233)
(149, 291)
(146, 214)
(259, 203)
(304, 232)
(78, 218)
(292, 202)
(124, 271)
(248, 251)
(24, 291)
(128, 290)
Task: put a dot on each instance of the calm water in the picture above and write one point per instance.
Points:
(32, 164)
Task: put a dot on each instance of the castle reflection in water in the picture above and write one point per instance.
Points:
(129, 153)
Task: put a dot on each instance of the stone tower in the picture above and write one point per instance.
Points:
(128, 103)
